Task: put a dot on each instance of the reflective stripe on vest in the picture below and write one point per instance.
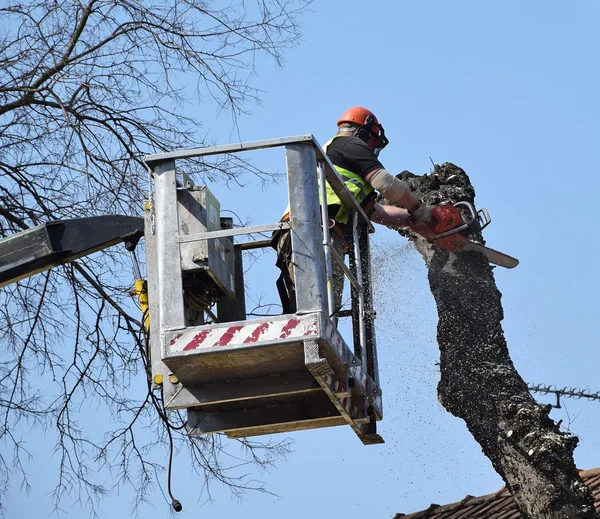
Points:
(357, 185)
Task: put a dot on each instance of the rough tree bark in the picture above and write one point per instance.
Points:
(478, 380)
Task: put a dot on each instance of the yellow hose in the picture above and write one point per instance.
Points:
(141, 291)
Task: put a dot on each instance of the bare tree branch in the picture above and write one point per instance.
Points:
(87, 89)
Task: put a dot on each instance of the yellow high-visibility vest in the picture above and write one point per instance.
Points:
(356, 184)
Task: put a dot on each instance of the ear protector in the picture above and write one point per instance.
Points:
(366, 131)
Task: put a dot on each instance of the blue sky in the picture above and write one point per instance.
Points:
(508, 91)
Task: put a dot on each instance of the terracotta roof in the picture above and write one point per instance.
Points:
(499, 505)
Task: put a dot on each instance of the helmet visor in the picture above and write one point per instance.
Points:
(379, 133)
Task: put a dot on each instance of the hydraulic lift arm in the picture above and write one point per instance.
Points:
(55, 243)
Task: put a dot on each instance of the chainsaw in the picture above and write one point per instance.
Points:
(452, 223)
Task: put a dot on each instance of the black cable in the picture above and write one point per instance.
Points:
(162, 412)
(174, 502)
(340, 308)
(160, 407)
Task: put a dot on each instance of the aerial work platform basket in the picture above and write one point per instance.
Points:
(251, 376)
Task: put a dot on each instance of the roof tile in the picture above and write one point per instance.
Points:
(499, 505)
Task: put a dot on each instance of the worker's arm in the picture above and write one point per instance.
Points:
(390, 216)
(411, 213)
(397, 217)
(393, 189)
(396, 191)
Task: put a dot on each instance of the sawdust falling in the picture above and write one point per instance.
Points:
(415, 422)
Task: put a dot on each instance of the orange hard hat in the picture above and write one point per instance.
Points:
(360, 116)
(368, 126)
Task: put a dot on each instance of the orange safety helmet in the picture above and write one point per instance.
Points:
(360, 116)
(368, 125)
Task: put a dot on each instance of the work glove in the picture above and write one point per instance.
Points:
(420, 221)
(421, 215)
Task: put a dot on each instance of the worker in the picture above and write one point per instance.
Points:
(354, 152)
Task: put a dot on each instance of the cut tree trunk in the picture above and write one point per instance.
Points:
(478, 380)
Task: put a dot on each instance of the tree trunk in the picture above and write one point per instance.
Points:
(478, 380)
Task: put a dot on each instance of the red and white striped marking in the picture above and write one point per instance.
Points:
(335, 338)
(334, 384)
(346, 402)
(243, 334)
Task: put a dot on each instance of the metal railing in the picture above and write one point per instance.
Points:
(325, 173)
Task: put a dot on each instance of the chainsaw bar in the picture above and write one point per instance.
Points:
(459, 242)
(493, 256)
(452, 236)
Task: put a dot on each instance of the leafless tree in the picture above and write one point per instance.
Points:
(87, 88)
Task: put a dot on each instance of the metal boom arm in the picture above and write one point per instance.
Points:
(54, 243)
